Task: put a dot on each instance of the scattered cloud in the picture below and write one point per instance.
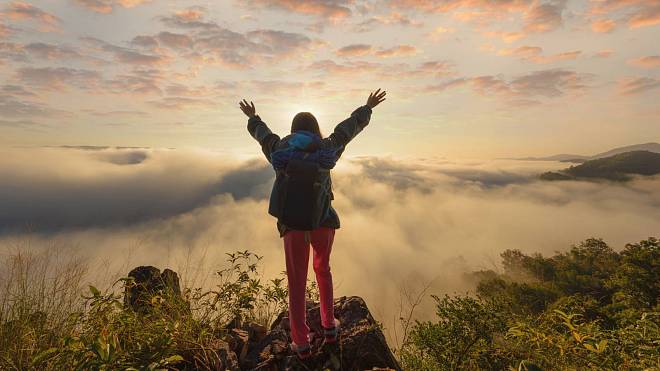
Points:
(116, 113)
(604, 53)
(507, 37)
(493, 7)
(174, 40)
(603, 25)
(15, 90)
(4, 31)
(12, 107)
(126, 55)
(182, 103)
(107, 6)
(651, 61)
(140, 82)
(360, 50)
(379, 70)
(544, 17)
(397, 51)
(638, 85)
(439, 33)
(534, 54)
(18, 10)
(50, 51)
(537, 16)
(210, 43)
(521, 90)
(637, 13)
(12, 51)
(23, 124)
(391, 19)
(58, 78)
(290, 88)
(326, 9)
(354, 50)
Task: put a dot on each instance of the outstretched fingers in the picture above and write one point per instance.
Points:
(248, 108)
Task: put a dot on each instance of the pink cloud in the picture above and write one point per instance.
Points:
(604, 53)
(24, 11)
(520, 90)
(327, 9)
(392, 19)
(354, 50)
(397, 51)
(13, 51)
(51, 52)
(358, 50)
(507, 37)
(638, 13)
(651, 61)
(174, 40)
(207, 43)
(107, 6)
(638, 85)
(534, 54)
(439, 33)
(537, 16)
(377, 70)
(4, 31)
(127, 55)
(603, 25)
(455, 83)
(544, 17)
(499, 7)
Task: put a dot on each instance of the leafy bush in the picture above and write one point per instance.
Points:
(588, 308)
(47, 322)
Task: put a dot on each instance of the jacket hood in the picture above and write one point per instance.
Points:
(304, 141)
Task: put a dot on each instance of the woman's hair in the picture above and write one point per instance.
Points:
(305, 121)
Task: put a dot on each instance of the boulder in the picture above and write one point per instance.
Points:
(362, 345)
(250, 346)
(148, 282)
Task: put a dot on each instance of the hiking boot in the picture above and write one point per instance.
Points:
(302, 353)
(331, 335)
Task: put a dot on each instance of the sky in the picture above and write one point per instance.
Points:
(465, 78)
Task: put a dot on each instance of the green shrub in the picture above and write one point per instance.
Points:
(49, 323)
(590, 308)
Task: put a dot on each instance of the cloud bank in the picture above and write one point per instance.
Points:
(421, 219)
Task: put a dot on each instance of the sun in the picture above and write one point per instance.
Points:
(294, 109)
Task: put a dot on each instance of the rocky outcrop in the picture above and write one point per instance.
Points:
(250, 346)
(362, 345)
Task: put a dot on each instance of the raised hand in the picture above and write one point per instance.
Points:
(376, 98)
(248, 108)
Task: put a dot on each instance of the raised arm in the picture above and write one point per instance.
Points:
(259, 130)
(348, 129)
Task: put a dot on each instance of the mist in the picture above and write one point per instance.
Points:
(403, 221)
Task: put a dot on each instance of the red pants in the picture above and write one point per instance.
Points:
(296, 248)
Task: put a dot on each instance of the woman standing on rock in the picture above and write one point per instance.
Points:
(301, 202)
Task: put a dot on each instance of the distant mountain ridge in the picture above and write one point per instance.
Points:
(618, 167)
(565, 157)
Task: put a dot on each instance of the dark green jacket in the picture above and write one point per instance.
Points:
(344, 132)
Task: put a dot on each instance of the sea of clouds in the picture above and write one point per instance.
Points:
(404, 221)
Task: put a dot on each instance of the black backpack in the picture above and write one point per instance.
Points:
(301, 195)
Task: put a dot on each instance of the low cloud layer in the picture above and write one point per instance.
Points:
(402, 220)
